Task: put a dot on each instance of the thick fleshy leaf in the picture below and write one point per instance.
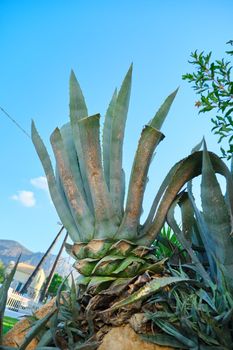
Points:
(161, 114)
(149, 289)
(156, 267)
(68, 141)
(184, 236)
(149, 139)
(158, 196)
(107, 133)
(99, 284)
(164, 340)
(107, 265)
(78, 106)
(80, 211)
(97, 248)
(176, 333)
(3, 295)
(78, 110)
(36, 329)
(202, 230)
(86, 266)
(217, 217)
(118, 129)
(46, 339)
(122, 247)
(131, 260)
(62, 209)
(187, 169)
(105, 217)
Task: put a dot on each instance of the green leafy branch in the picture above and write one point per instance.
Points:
(212, 81)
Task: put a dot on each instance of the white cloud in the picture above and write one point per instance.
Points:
(26, 198)
(40, 182)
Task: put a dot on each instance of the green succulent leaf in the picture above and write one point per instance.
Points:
(176, 333)
(78, 110)
(149, 139)
(62, 209)
(68, 141)
(46, 339)
(106, 219)
(107, 134)
(78, 106)
(182, 234)
(164, 340)
(3, 295)
(160, 116)
(117, 136)
(217, 217)
(185, 170)
(80, 211)
(149, 289)
(36, 328)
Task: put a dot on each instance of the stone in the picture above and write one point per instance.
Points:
(125, 338)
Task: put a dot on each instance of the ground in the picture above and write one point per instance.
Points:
(8, 323)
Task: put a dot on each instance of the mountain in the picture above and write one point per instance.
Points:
(10, 250)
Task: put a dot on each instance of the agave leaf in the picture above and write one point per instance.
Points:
(78, 110)
(161, 114)
(46, 348)
(107, 265)
(126, 262)
(186, 170)
(187, 215)
(105, 217)
(157, 267)
(107, 132)
(100, 279)
(158, 196)
(78, 107)
(68, 141)
(203, 231)
(80, 211)
(122, 189)
(182, 237)
(149, 139)
(164, 340)
(46, 339)
(197, 147)
(62, 209)
(4, 294)
(217, 217)
(174, 332)
(88, 345)
(149, 289)
(117, 136)
(36, 328)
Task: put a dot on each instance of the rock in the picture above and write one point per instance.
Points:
(124, 338)
(16, 335)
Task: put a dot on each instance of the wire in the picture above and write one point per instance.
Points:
(15, 122)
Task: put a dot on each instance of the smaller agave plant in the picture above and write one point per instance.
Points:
(200, 316)
(113, 250)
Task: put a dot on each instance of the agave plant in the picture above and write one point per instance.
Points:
(112, 249)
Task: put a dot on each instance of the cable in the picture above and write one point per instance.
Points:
(15, 122)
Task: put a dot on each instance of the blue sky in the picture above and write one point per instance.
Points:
(40, 41)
